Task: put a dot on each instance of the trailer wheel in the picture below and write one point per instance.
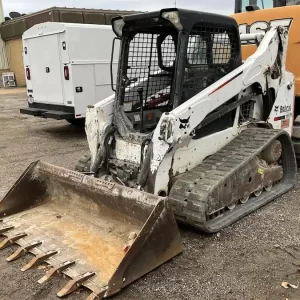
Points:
(77, 122)
(84, 163)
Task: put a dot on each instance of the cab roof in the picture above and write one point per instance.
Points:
(188, 18)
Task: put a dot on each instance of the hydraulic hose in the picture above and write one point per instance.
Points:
(101, 155)
(143, 176)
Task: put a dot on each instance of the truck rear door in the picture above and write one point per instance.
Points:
(46, 69)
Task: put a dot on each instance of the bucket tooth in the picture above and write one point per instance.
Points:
(5, 229)
(56, 269)
(38, 260)
(23, 250)
(97, 296)
(75, 283)
(11, 239)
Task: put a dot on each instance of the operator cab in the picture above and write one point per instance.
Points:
(166, 58)
(251, 5)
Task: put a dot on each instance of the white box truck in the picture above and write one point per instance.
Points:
(67, 68)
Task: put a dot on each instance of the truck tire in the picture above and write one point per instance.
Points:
(83, 164)
(77, 122)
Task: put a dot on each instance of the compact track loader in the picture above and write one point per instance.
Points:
(191, 132)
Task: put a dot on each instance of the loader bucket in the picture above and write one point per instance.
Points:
(101, 235)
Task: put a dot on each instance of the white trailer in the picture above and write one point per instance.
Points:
(67, 68)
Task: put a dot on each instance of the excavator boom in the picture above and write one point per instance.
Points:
(258, 21)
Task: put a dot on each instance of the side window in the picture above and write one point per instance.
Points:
(262, 4)
(209, 48)
(197, 50)
(211, 53)
(221, 48)
(292, 2)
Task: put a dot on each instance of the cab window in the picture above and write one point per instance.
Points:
(262, 4)
(292, 2)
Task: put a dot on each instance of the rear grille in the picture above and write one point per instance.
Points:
(211, 54)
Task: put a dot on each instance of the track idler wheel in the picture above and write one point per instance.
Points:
(272, 153)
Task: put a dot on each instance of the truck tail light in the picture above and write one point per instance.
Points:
(66, 72)
(28, 73)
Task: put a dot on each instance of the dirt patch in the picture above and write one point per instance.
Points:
(248, 260)
(12, 91)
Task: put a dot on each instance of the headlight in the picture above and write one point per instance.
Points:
(118, 25)
(173, 17)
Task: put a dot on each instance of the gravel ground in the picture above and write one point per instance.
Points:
(248, 260)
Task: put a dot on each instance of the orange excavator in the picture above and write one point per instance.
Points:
(254, 16)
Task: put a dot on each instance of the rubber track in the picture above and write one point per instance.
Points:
(190, 193)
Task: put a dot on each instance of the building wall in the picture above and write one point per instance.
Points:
(15, 60)
(11, 31)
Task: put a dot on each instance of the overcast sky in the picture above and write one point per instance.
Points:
(26, 6)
